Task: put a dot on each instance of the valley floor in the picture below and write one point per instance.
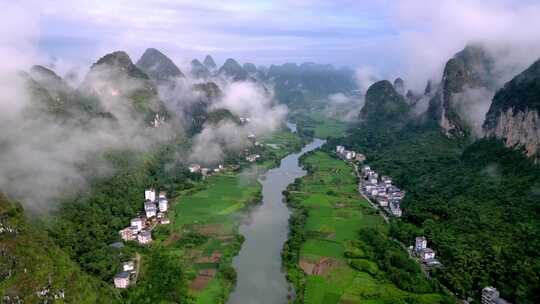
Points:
(336, 236)
(203, 235)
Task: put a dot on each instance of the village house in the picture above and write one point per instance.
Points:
(383, 202)
(128, 234)
(420, 243)
(164, 221)
(128, 266)
(360, 157)
(194, 168)
(158, 121)
(144, 237)
(162, 194)
(121, 280)
(204, 171)
(163, 204)
(252, 157)
(395, 209)
(150, 194)
(150, 209)
(138, 223)
(251, 137)
(490, 295)
(427, 254)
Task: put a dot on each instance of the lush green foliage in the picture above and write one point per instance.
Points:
(477, 204)
(85, 226)
(30, 262)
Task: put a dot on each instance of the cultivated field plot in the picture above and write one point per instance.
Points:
(204, 231)
(336, 214)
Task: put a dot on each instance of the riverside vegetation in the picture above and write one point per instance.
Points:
(340, 250)
(199, 243)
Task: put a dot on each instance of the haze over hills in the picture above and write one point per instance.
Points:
(137, 109)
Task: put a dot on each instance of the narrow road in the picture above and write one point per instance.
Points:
(137, 267)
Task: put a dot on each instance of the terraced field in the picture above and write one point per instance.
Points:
(325, 257)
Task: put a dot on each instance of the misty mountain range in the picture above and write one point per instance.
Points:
(473, 99)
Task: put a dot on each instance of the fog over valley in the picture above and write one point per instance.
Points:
(264, 152)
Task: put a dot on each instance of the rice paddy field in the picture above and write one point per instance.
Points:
(335, 214)
(322, 126)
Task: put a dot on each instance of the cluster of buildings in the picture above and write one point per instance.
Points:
(155, 212)
(349, 154)
(490, 295)
(426, 254)
(156, 206)
(196, 168)
(387, 195)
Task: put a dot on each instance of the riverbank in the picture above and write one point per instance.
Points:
(203, 237)
(260, 276)
(339, 249)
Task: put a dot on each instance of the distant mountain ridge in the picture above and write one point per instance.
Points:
(294, 84)
(231, 68)
(158, 66)
(209, 62)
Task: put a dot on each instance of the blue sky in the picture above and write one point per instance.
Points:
(390, 38)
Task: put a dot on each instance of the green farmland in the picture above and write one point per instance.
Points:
(203, 237)
(335, 235)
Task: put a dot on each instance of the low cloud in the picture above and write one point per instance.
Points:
(243, 99)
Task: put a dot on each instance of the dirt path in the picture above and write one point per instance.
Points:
(137, 267)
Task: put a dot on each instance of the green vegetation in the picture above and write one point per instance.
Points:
(477, 204)
(190, 259)
(30, 261)
(339, 249)
(318, 125)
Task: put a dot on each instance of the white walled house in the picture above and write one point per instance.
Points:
(162, 194)
(420, 243)
(194, 168)
(138, 223)
(121, 280)
(145, 237)
(163, 205)
(128, 266)
(383, 202)
(128, 234)
(427, 254)
(360, 157)
(150, 194)
(151, 212)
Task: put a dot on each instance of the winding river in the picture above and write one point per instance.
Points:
(261, 279)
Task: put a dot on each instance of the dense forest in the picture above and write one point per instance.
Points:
(477, 203)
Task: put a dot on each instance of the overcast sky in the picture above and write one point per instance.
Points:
(401, 37)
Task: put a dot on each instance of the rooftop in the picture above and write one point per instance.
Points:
(122, 275)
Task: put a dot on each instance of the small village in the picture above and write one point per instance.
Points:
(245, 153)
(388, 198)
(140, 230)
